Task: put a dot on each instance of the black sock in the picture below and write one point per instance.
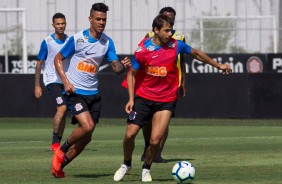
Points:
(55, 138)
(59, 138)
(65, 162)
(146, 166)
(65, 146)
(147, 144)
(127, 162)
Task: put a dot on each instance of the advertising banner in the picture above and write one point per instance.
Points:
(240, 63)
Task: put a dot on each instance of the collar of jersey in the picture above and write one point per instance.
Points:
(58, 41)
(90, 38)
(149, 42)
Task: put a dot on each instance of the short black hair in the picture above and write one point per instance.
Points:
(160, 20)
(167, 9)
(57, 16)
(101, 7)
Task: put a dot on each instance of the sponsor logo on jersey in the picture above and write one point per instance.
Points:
(88, 52)
(178, 36)
(80, 40)
(87, 66)
(156, 71)
(138, 49)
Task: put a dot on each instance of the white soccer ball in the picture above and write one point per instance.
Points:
(183, 172)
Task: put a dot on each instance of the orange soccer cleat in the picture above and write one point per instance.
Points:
(57, 159)
(55, 146)
(58, 174)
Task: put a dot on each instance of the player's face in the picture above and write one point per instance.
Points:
(98, 21)
(164, 34)
(60, 25)
(170, 15)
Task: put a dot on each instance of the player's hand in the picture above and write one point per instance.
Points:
(182, 91)
(126, 62)
(225, 68)
(69, 88)
(129, 107)
(37, 92)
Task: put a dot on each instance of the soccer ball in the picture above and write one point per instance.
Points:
(183, 172)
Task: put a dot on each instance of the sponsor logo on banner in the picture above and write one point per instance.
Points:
(17, 66)
(254, 65)
(200, 67)
(277, 64)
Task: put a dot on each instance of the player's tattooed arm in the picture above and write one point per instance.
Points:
(119, 66)
(37, 89)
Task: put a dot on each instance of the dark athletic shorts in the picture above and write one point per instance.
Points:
(82, 103)
(57, 93)
(145, 109)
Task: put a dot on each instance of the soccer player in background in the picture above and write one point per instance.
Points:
(156, 96)
(50, 46)
(87, 50)
(171, 13)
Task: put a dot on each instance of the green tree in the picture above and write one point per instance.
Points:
(219, 36)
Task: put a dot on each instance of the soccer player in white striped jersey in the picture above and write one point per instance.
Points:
(87, 50)
(50, 47)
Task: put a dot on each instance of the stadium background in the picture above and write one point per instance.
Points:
(245, 33)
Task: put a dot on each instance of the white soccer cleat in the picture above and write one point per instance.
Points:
(120, 173)
(146, 176)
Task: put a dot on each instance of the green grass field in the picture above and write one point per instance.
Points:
(222, 151)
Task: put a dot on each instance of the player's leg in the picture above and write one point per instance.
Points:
(59, 122)
(133, 127)
(159, 126)
(81, 105)
(128, 148)
(160, 123)
(146, 130)
(159, 158)
(55, 91)
(85, 128)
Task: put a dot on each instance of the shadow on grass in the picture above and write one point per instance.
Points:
(179, 159)
(91, 175)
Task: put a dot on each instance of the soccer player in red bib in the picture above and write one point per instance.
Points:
(156, 90)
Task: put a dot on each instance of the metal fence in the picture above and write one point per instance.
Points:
(215, 26)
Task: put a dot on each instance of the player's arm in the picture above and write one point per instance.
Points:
(58, 61)
(201, 56)
(183, 78)
(65, 52)
(37, 88)
(131, 85)
(43, 52)
(117, 66)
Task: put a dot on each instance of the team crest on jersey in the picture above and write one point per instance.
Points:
(78, 106)
(59, 100)
(151, 48)
(80, 40)
(170, 44)
(138, 49)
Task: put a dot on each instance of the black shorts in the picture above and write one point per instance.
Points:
(57, 93)
(145, 109)
(82, 103)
